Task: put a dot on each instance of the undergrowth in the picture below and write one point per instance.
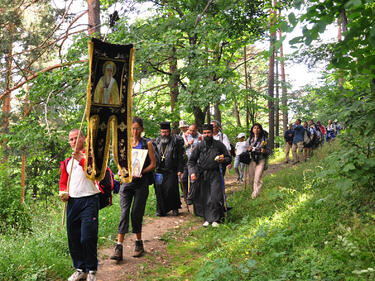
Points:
(41, 253)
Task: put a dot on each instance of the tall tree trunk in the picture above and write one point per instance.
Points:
(271, 80)
(247, 90)
(237, 113)
(23, 166)
(342, 27)
(217, 112)
(6, 108)
(23, 176)
(7, 97)
(284, 98)
(277, 116)
(199, 116)
(208, 118)
(344, 21)
(173, 86)
(94, 17)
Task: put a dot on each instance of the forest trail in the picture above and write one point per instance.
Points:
(152, 232)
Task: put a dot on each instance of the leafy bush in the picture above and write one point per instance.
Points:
(13, 214)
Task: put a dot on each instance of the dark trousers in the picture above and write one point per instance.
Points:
(167, 194)
(184, 179)
(82, 228)
(136, 192)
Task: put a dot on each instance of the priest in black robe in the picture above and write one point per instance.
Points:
(169, 154)
(203, 164)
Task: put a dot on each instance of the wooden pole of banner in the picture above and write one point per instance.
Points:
(71, 167)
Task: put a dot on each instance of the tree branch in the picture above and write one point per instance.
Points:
(199, 17)
(159, 70)
(7, 91)
(153, 88)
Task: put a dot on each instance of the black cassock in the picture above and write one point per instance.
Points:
(170, 160)
(207, 195)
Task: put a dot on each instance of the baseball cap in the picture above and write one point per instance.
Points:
(241, 135)
(183, 123)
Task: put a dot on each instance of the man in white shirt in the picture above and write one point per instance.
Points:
(220, 136)
(184, 126)
(82, 210)
(241, 146)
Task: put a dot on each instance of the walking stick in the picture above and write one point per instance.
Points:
(223, 189)
(183, 192)
(71, 167)
(188, 190)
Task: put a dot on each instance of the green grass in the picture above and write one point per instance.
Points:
(43, 253)
(302, 227)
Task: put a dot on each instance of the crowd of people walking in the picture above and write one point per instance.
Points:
(192, 161)
(303, 139)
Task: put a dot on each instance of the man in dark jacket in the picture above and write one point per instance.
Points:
(204, 167)
(169, 154)
(288, 137)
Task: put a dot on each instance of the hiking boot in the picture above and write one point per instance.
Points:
(78, 275)
(139, 250)
(91, 276)
(175, 212)
(118, 253)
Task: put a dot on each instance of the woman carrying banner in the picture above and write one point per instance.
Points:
(136, 192)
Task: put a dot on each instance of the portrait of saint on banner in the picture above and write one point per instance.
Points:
(106, 90)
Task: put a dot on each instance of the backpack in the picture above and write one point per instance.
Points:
(245, 157)
(306, 137)
(318, 132)
(106, 186)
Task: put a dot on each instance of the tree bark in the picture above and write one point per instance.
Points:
(247, 90)
(208, 114)
(284, 98)
(199, 116)
(94, 17)
(271, 80)
(217, 112)
(342, 27)
(277, 117)
(237, 113)
(6, 108)
(173, 86)
(23, 168)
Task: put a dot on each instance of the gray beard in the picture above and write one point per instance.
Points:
(165, 140)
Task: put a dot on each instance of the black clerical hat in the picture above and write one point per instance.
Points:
(208, 127)
(165, 125)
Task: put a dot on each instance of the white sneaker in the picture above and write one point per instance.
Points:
(215, 224)
(78, 275)
(91, 276)
(206, 223)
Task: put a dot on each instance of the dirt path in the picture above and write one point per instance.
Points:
(152, 231)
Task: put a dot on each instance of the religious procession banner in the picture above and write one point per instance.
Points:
(108, 108)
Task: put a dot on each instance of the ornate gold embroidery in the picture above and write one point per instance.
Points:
(122, 126)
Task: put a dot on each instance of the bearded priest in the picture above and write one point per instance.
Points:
(169, 154)
(205, 165)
